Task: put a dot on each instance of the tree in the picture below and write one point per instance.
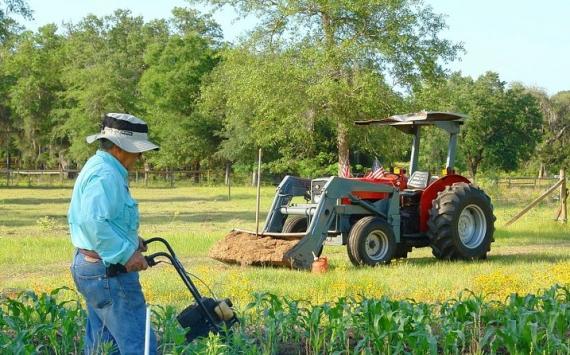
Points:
(7, 23)
(503, 127)
(171, 87)
(103, 65)
(341, 61)
(552, 152)
(33, 97)
(9, 29)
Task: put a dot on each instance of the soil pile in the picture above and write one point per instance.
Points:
(249, 249)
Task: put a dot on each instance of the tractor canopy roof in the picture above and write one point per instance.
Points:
(406, 123)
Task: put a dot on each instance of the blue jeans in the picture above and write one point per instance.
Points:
(116, 308)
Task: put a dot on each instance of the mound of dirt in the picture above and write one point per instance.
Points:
(249, 249)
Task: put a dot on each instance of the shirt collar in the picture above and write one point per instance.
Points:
(109, 158)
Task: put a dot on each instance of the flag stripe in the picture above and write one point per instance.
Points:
(345, 171)
(377, 170)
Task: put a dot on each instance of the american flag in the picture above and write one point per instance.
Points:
(377, 170)
(345, 171)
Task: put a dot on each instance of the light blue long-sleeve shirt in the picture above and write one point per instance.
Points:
(103, 216)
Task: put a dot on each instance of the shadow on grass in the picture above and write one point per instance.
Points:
(218, 198)
(35, 201)
(18, 219)
(528, 257)
(502, 259)
(531, 237)
(197, 217)
(47, 187)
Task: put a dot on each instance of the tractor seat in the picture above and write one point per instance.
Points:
(418, 181)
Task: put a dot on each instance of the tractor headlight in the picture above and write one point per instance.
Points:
(317, 190)
(317, 198)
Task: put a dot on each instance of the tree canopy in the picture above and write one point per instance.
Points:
(328, 61)
(293, 86)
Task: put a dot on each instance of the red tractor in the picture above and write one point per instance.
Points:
(382, 219)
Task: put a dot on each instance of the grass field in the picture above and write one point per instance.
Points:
(528, 257)
(531, 254)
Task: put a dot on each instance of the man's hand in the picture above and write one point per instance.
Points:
(136, 262)
(142, 246)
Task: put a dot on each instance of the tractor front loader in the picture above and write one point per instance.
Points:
(378, 219)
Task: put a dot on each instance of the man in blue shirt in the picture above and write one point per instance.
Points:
(103, 221)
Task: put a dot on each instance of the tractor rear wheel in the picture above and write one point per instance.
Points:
(461, 223)
(371, 242)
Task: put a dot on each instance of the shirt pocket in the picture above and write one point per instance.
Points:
(131, 215)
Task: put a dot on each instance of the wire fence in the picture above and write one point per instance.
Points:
(511, 193)
(504, 191)
(49, 178)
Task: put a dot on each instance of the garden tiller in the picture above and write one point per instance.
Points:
(206, 315)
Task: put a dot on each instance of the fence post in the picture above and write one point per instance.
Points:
(563, 196)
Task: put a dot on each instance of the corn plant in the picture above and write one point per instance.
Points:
(40, 324)
(272, 325)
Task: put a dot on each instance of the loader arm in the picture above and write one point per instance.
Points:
(289, 187)
(324, 213)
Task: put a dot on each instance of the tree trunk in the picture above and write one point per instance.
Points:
(343, 149)
(227, 177)
(196, 173)
(541, 171)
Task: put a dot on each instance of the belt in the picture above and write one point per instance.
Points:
(89, 253)
(111, 270)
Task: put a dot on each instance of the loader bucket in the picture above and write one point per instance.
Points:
(247, 248)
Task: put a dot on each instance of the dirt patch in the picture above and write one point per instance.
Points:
(249, 249)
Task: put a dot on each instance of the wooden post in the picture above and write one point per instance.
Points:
(563, 196)
(8, 162)
(533, 203)
(227, 174)
(146, 170)
(258, 194)
(229, 190)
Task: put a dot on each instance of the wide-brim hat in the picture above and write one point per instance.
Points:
(127, 131)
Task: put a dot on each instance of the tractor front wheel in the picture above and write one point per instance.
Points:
(295, 224)
(371, 242)
(299, 224)
(461, 223)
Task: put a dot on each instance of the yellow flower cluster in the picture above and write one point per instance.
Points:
(499, 284)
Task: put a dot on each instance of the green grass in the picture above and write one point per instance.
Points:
(528, 257)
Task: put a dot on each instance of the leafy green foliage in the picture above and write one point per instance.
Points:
(170, 88)
(504, 124)
(293, 87)
(103, 66)
(40, 324)
(7, 24)
(33, 97)
(556, 132)
(331, 62)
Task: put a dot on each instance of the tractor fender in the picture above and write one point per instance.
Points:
(430, 193)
